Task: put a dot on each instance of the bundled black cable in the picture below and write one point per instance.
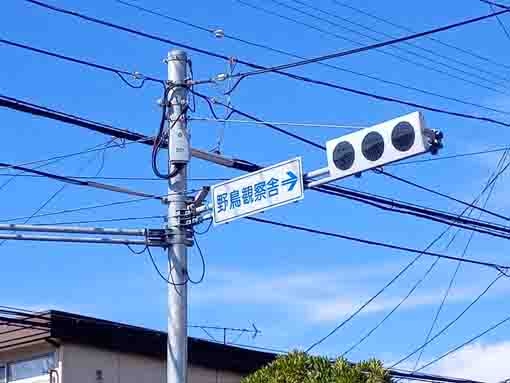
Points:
(163, 136)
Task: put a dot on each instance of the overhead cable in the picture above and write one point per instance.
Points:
(399, 48)
(431, 38)
(393, 205)
(80, 209)
(469, 341)
(503, 27)
(38, 110)
(73, 181)
(50, 161)
(453, 156)
(497, 172)
(256, 66)
(52, 196)
(370, 300)
(96, 148)
(123, 219)
(41, 111)
(500, 268)
(433, 265)
(342, 37)
(429, 190)
(450, 324)
(369, 47)
(133, 136)
(193, 179)
(297, 124)
(225, 35)
(106, 129)
(322, 147)
(118, 72)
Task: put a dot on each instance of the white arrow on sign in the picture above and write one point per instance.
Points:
(264, 189)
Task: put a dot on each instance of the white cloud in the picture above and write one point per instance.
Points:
(331, 310)
(319, 296)
(487, 362)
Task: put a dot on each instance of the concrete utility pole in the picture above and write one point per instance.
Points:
(179, 156)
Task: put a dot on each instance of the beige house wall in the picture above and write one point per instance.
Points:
(80, 364)
(29, 352)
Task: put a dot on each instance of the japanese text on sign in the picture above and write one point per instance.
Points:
(266, 188)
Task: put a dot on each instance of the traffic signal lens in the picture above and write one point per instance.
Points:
(372, 146)
(402, 136)
(343, 155)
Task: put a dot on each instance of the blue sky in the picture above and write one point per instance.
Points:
(295, 287)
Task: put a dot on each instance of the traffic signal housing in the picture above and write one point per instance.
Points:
(384, 143)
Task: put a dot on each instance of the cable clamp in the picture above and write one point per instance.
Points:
(219, 33)
(183, 237)
(221, 77)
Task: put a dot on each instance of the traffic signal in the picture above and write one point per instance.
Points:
(390, 141)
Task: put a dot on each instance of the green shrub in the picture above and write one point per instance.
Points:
(298, 367)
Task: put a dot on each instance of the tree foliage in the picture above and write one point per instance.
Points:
(299, 367)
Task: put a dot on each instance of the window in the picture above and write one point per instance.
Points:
(29, 368)
(2, 374)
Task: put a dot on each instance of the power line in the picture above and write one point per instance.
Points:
(371, 46)
(271, 126)
(430, 339)
(369, 301)
(500, 22)
(442, 194)
(322, 147)
(433, 265)
(451, 323)
(77, 182)
(106, 129)
(92, 207)
(500, 268)
(292, 55)
(492, 328)
(415, 46)
(104, 220)
(391, 54)
(52, 160)
(410, 375)
(195, 179)
(436, 40)
(342, 37)
(389, 314)
(118, 72)
(297, 124)
(41, 111)
(459, 155)
(359, 240)
(402, 207)
(457, 269)
(78, 121)
(256, 66)
(51, 198)
(38, 110)
(80, 209)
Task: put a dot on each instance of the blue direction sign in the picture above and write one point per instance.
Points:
(252, 193)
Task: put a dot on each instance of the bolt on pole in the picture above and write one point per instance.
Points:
(178, 158)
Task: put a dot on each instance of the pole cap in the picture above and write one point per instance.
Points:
(177, 54)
